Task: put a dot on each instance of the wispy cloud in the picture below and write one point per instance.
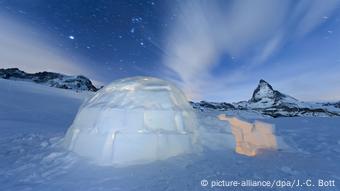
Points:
(31, 50)
(206, 30)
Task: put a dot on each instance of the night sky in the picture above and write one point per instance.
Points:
(214, 50)
(119, 36)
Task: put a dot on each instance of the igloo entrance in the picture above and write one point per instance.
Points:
(133, 120)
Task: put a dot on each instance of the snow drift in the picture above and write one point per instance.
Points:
(132, 121)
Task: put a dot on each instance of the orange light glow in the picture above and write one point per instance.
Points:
(250, 137)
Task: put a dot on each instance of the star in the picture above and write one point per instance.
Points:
(71, 37)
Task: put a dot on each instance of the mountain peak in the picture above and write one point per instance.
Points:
(263, 90)
(263, 81)
(265, 96)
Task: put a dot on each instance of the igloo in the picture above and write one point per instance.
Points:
(134, 120)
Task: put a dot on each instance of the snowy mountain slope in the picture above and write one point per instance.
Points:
(49, 78)
(270, 102)
(34, 118)
(29, 103)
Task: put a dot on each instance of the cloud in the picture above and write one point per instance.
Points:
(205, 31)
(315, 12)
(312, 85)
(30, 49)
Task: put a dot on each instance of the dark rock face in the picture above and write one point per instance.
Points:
(203, 105)
(336, 104)
(12, 73)
(265, 90)
(50, 79)
(284, 111)
(268, 101)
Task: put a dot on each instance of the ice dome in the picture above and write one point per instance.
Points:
(133, 120)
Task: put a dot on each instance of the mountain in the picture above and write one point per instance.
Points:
(265, 96)
(271, 102)
(265, 99)
(212, 105)
(49, 78)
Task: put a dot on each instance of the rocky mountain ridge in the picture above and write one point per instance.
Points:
(79, 83)
(271, 102)
(265, 99)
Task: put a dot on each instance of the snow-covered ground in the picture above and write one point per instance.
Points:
(34, 119)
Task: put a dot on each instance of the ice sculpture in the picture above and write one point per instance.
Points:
(133, 120)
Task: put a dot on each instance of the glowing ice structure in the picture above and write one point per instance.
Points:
(250, 137)
(132, 121)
